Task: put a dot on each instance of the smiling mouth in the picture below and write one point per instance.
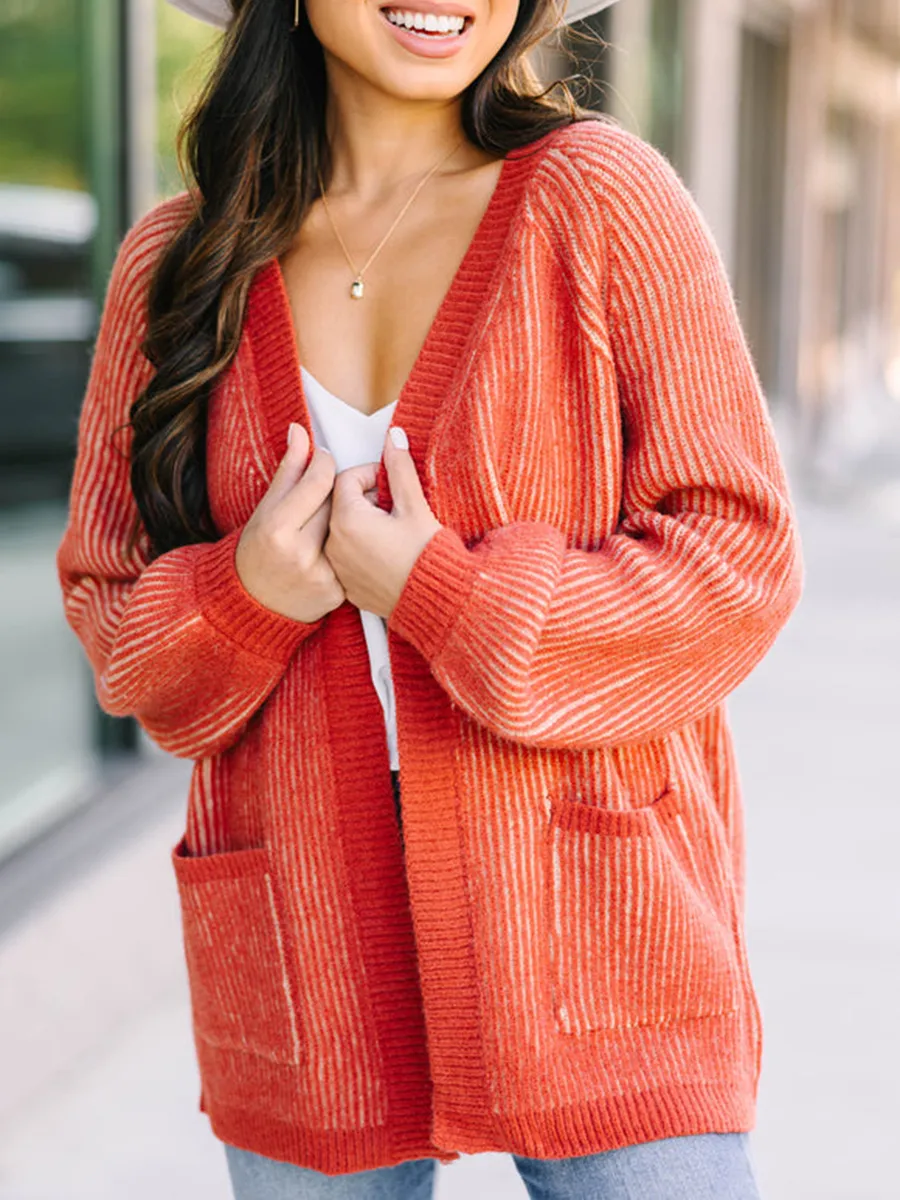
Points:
(427, 25)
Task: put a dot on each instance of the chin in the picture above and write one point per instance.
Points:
(429, 50)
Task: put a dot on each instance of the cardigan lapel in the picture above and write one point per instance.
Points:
(387, 886)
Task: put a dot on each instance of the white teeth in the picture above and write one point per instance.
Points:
(425, 22)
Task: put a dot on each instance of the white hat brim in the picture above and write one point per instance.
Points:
(218, 12)
(213, 12)
(578, 9)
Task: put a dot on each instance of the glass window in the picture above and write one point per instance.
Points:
(48, 220)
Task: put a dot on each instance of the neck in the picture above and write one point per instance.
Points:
(379, 142)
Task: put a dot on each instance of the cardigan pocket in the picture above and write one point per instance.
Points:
(639, 921)
(240, 970)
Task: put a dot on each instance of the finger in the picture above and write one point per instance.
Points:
(292, 465)
(406, 487)
(317, 525)
(301, 500)
(354, 481)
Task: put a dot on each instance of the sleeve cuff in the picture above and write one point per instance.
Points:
(435, 593)
(227, 605)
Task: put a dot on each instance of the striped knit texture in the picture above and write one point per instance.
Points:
(553, 962)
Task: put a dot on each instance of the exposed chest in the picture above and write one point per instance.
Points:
(364, 349)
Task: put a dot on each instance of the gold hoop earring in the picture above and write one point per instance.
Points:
(296, 13)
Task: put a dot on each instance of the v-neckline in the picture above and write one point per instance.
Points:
(306, 374)
(270, 327)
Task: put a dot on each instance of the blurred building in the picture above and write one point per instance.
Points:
(784, 118)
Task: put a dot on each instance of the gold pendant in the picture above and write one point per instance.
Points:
(357, 289)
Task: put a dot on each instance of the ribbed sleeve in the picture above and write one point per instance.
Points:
(557, 646)
(177, 642)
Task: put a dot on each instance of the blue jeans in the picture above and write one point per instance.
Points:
(704, 1166)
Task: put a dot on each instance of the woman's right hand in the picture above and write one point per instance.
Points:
(279, 557)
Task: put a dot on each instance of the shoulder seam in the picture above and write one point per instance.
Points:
(156, 225)
(141, 247)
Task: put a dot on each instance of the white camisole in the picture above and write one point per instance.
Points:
(354, 437)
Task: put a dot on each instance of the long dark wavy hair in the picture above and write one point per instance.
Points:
(251, 149)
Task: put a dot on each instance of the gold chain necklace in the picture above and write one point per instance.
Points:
(357, 287)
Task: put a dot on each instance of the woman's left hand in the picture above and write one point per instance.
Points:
(371, 551)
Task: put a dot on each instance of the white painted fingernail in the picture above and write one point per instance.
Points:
(398, 437)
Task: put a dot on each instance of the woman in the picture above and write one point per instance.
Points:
(581, 542)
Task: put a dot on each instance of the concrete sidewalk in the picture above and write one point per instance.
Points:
(98, 1090)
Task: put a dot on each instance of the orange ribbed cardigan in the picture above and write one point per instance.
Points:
(554, 962)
